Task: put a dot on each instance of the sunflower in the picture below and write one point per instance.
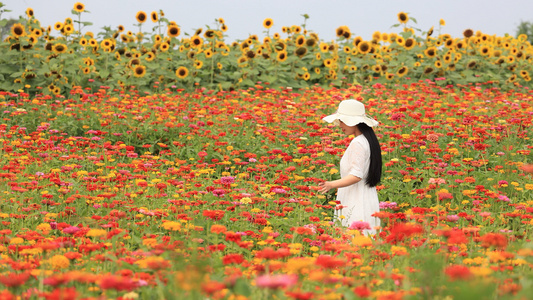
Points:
(224, 28)
(364, 47)
(471, 64)
(485, 51)
(139, 71)
(208, 53)
(389, 76)
(173, 31)
(196, 41)
(431, 52)
(79, 7)
(18, 30)
(409, 43)
(376, 36)
(125, 38)
(438, 64)
(282, 56)
(29, 12)
(524, 73)
(430, 31)
(279, 46)
(150, 56)
(219, 66)
(357, 40)
(198, 64)
(191, 54)
(328, 63)
(310, 42)
(209, 34)
(68, 29)
(267, 23)
(300, 40)
(428, 70)
(164, 47)
(141, 17)
(468, 33)
(500, 61)
(512, 78)
(86, 70)
(403, 17)
(154, 16)
(442, 22)
(346, 49)
(402, 71)
(301, 51)
(59, 48)
(296, 29)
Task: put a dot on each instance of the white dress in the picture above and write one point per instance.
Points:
(359, 201)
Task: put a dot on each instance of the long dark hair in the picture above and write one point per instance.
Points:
(374, 170)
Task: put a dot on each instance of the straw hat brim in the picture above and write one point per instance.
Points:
(351, 120)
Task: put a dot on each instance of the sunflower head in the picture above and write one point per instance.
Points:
(29, 12)
(79, 7)
(18, 30)
(141, 16)
(173, 31)
(182, 72)
(468, 33)
(154, 16)
(267, 23)
(139, 71)
(403, 18)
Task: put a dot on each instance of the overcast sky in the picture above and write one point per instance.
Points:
(245, 17)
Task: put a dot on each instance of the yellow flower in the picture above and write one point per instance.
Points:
(96, 232)
(16, 241)
(149, 242)
(59, 262)
(79, 7)
(171, 225)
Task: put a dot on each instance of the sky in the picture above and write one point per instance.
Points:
(245, 17)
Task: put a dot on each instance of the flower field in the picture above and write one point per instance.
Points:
(136, 181)
(210, 194)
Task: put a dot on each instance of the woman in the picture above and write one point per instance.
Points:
(360, 167)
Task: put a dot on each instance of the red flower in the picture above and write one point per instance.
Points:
(362, 291)
(12, 280)
(402, 231)
(117, 283)
(496, 240)
(62, 294)
(232, 259)
(458, 272)
(329, 262)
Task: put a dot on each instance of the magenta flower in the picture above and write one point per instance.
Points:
(276, 281)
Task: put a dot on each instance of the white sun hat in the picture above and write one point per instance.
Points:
(351, 112)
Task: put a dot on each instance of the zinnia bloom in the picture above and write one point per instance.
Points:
(276, 281)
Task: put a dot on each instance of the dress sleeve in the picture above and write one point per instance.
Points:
(357, 157)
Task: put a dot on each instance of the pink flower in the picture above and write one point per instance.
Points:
(452, 218)
(360, 225)
(71, 229)
(276, 281)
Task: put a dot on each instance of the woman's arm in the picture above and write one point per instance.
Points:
(324, 187)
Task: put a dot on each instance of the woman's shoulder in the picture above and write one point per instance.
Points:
(360, 140)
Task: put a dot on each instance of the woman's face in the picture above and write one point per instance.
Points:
(348, 130)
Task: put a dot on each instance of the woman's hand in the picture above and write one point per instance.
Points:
(325, 186)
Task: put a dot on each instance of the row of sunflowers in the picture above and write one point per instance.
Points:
(52, 59)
